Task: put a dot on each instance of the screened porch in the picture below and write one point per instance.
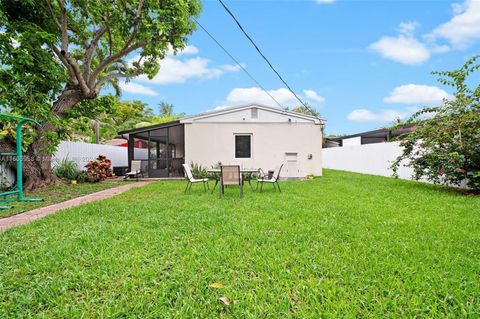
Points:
(160, 148)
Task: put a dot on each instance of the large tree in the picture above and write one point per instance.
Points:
(57, 53)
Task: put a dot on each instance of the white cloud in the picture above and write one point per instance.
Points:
(365, 115)
(178, 69)
(463, 28)
(461, 31)
(408, 28)
(325, 1)
(173, 70)
(414, 95)
(417, 94)
(189, 49)
(403, 48)
(239, 96)
(435, 48)
(135, 88)
(313, 96)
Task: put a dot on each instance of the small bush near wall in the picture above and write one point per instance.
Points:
(67, 170)
(200, 171)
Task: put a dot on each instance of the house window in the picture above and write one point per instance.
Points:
(243, 146)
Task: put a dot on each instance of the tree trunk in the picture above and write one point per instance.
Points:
(37, 170)
(37, 161)
(34, 176)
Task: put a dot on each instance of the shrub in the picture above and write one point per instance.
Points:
(199, 171)
(445, 145)
(98, 169)
(82, 177)
(67, 169)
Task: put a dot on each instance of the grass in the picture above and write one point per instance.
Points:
(55, 194)
(343, 245)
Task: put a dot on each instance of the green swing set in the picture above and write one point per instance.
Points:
(18, 189)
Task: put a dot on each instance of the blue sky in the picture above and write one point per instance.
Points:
(359, 63)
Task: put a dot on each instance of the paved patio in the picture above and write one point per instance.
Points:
(24, 218)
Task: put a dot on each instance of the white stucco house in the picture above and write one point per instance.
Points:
(253, 136)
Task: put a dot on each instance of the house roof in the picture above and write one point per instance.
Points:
(383, 132)
(116, 141)
(190, 119)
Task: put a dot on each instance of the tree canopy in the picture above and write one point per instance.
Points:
(57, 53)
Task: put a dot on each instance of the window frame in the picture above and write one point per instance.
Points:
(250, 135)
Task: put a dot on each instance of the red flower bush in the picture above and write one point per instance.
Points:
(99, 169)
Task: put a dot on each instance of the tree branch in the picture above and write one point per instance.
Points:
(112, 58)
(116, 75)
(109, 37)
(89, 53)
(63, 26)
(76, 70)
(64, 62)
(63, 55)
(49, 5)
(136, 20)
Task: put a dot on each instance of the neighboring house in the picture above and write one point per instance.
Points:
(124, 143)
(371, 137)
(253, 136)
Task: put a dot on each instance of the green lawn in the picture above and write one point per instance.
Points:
(343, 245)
(55, 194)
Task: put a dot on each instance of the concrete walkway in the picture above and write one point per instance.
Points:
(23, 218)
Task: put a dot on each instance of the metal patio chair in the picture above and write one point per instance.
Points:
(230, 175)
(192, 180)
(135, 170)
(271, 180)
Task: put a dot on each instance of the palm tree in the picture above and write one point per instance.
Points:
(166, 109)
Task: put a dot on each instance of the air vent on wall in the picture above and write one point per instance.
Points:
(254, 113)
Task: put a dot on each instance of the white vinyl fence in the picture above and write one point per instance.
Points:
(82, 153)
(372, 159)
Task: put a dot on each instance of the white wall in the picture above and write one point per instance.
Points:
(352, 141)
(368, 159)
(272, 145)
(82, 153)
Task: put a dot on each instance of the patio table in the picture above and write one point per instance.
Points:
(248, 172)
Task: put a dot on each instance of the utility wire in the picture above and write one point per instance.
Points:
(236, 61)
(263, 55)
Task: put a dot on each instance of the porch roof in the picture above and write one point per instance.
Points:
(149, 128)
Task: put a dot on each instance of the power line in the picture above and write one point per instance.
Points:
(263, 55)
(236, 61)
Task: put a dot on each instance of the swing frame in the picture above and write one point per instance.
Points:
(18, 188)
